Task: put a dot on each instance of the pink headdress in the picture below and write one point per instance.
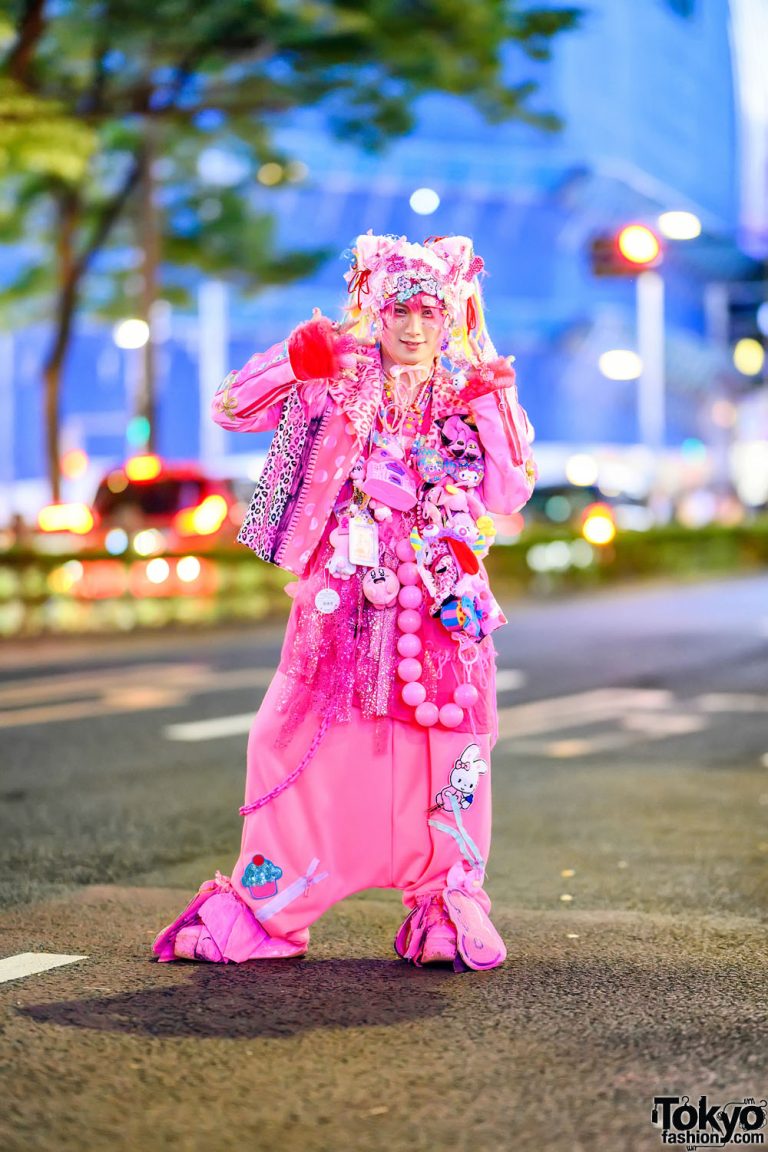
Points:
(389, 268)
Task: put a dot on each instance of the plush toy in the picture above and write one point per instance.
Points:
(339, 564)
(462, 614)
(459, 440)
(380, 587)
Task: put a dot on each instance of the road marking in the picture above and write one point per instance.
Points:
(637, 715)
(30, 963)
(731, 702)
(509, 678)
(210, 729)
(578, 710)
(142, 688)
(659, 724)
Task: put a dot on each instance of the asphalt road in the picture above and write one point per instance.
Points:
(629, 876)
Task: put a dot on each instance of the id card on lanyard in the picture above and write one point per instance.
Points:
(363, 540)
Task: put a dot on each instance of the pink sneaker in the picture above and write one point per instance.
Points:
(439, 945)
(196, 943)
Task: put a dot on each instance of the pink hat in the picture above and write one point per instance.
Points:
(387, 268)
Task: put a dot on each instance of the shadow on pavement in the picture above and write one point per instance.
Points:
(280, 998)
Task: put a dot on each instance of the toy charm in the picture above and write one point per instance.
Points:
(389, 480)
(380, 587)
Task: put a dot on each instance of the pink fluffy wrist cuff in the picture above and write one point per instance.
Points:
(494, 376)
(317, 351)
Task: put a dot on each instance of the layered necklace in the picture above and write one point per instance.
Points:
(405, 396)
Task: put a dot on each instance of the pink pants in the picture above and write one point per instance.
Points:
(363, 814)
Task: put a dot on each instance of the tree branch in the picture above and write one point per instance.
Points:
(31, 28)
(108, 218)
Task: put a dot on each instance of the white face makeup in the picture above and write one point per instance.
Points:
(411, 333)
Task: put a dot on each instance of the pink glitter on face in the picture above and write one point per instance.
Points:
(414, 303)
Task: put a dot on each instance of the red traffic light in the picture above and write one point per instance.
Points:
(625, 253)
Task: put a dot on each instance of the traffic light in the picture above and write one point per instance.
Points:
(746, 335)
(625, 253)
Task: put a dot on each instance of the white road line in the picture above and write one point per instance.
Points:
(29, 963)
(731, 702)
(509, 678)
(168, 686)
(210, 729)
(578, 710)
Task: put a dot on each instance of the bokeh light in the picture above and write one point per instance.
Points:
(581, 468)
(131, 333)
(145, 467)
(638, 244)
(599, 527)
(270, 174)
(620, 364)
(116, 541)
(147, 541)
(679, 225)
(74, 463)
(158, 570)
(424, 201)
(749, 357)
(75, 518)
(188, 569)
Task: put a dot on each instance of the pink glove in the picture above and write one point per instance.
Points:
(494, 376)
(317, 351)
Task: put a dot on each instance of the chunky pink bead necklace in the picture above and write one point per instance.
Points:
(409, 647)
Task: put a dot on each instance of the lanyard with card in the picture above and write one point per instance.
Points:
(363, 540)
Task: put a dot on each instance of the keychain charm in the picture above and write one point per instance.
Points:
(327, 600)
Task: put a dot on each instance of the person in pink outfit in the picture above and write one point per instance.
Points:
(398, 435)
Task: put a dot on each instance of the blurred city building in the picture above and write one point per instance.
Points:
(664, 107)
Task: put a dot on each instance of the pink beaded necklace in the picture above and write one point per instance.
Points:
(409, 647)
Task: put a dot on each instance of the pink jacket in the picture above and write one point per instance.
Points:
(322, 427)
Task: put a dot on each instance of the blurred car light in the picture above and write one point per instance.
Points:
(148, 541)
(143, 467)
(158, 570)
(75, 518)
(188, 569)
(204, 519)
(599, 526)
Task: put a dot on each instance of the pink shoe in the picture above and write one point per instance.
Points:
(219, 927)
(196, 943)
(478, 942)
(439, 945)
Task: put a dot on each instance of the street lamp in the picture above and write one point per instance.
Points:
(132, 335)
(635, 251)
